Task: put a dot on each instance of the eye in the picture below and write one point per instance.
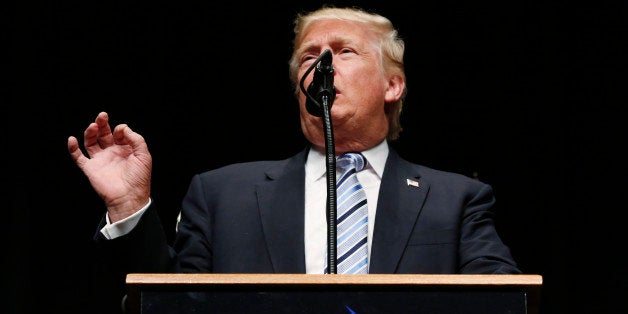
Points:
(307, 60)
(347, 50)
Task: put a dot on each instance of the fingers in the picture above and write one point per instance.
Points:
(97, 135)
(75, 151)
(105, 138)
(123, 135)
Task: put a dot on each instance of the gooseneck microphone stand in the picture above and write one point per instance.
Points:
(320, 97)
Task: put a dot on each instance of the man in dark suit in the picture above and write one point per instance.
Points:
(269, 216)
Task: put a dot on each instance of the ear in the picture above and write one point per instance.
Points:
(396, 86)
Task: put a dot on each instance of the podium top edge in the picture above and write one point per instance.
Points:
(326, 279)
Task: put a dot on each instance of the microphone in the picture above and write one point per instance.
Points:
(322, 85)
(319, 98)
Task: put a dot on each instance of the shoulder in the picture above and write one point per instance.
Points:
(438, 178)
(255, 170)
(445, 175)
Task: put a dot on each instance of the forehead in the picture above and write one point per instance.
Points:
(335, 30)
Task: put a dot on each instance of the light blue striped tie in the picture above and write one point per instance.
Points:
(352, 216)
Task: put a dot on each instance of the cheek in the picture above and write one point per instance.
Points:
(369, 92)
(301, 97)
(308, 78)
(369, 81)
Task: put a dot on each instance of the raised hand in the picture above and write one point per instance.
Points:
(118, 165)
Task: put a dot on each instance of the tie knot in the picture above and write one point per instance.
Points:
(347, 160)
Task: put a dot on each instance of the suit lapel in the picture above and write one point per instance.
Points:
(281, 202)
(399, 203)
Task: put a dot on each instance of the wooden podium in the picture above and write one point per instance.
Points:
(348, 294)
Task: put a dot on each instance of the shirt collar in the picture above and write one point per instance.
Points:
(315, 167)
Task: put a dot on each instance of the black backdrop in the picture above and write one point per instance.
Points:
(524, 95)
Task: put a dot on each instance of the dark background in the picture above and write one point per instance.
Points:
(524, 95)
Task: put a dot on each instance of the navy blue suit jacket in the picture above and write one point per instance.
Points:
(249, 218)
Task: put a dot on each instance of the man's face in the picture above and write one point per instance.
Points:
(362, 87)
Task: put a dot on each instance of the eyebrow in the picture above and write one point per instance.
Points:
(334, 40)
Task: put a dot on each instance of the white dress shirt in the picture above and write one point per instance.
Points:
(316, 202)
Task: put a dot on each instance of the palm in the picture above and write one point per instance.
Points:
(116, 172)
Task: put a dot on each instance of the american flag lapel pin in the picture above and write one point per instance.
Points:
(413, 183)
